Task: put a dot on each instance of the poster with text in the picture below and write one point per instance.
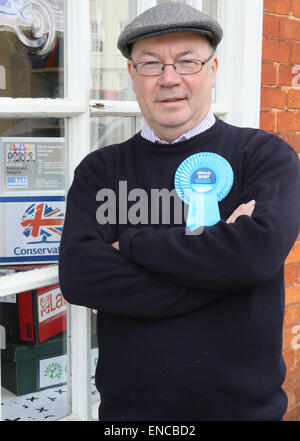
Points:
(33, 164)
(33, 228)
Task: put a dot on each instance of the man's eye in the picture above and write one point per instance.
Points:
(151, 64)
(187, 62)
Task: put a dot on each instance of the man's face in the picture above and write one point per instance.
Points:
(173, 104)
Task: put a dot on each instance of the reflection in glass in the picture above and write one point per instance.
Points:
(109, 77)
(32, 127)
(111, 130)
(210, 7)
(31, 48)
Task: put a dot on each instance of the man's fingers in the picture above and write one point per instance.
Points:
(115, 245)
(243, 209)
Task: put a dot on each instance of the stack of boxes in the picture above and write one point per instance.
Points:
(35, 324)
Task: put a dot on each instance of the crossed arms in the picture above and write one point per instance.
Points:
(163, 272)
(245, 209)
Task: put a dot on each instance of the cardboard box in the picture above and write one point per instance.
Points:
(33, 317)
(20, 369)
(26, 369)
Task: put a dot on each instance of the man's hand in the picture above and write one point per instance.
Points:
(115, 245)
(246, 209)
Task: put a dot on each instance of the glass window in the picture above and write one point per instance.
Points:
(210, 7)
(96, 37)
(111, 130)
(32, 49)
(32, 205)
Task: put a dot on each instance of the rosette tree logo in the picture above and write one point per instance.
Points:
(43, 223)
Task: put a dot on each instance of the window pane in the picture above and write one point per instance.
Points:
(109, 77)
(31, 48)
(32, 205)
(33, 170)
(111, 130)
(34, 363)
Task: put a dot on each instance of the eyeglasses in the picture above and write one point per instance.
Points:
(181, 67)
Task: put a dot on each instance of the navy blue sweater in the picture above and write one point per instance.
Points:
(189, 326)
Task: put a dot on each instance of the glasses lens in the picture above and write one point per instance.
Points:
(188, 66)
(183, 67)
(150, 68)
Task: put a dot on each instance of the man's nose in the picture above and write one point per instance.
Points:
(169, 77)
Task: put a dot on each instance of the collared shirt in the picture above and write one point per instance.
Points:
(205, 124)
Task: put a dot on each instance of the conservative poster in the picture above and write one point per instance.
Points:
(31, 228)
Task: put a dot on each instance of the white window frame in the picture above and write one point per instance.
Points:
(237, 102)
(75, 108)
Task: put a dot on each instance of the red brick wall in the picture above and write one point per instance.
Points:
(280, 114)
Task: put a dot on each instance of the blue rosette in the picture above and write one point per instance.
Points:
(202, 181)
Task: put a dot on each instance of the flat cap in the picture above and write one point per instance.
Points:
(165, 18)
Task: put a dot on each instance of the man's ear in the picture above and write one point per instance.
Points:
(131, 73)
(130, 68)
(213, 70)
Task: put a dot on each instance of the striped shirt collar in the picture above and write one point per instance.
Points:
(204, 125)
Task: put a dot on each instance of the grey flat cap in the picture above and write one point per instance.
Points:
(165, 18)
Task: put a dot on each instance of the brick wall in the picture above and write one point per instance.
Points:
(280, 114)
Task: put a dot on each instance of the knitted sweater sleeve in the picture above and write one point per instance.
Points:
(94, 274)
(232, 257)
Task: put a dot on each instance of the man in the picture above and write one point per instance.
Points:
(189, 325)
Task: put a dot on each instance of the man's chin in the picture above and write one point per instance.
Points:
(173, 124)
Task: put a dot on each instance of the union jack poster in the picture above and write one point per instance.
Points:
(40, 220)
(33, 228)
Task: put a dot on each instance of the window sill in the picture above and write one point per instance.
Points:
(131, 108)
(28, 280)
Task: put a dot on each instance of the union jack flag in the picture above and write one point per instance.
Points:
(42, 220)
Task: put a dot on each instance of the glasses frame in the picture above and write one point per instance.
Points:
(163, 65)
